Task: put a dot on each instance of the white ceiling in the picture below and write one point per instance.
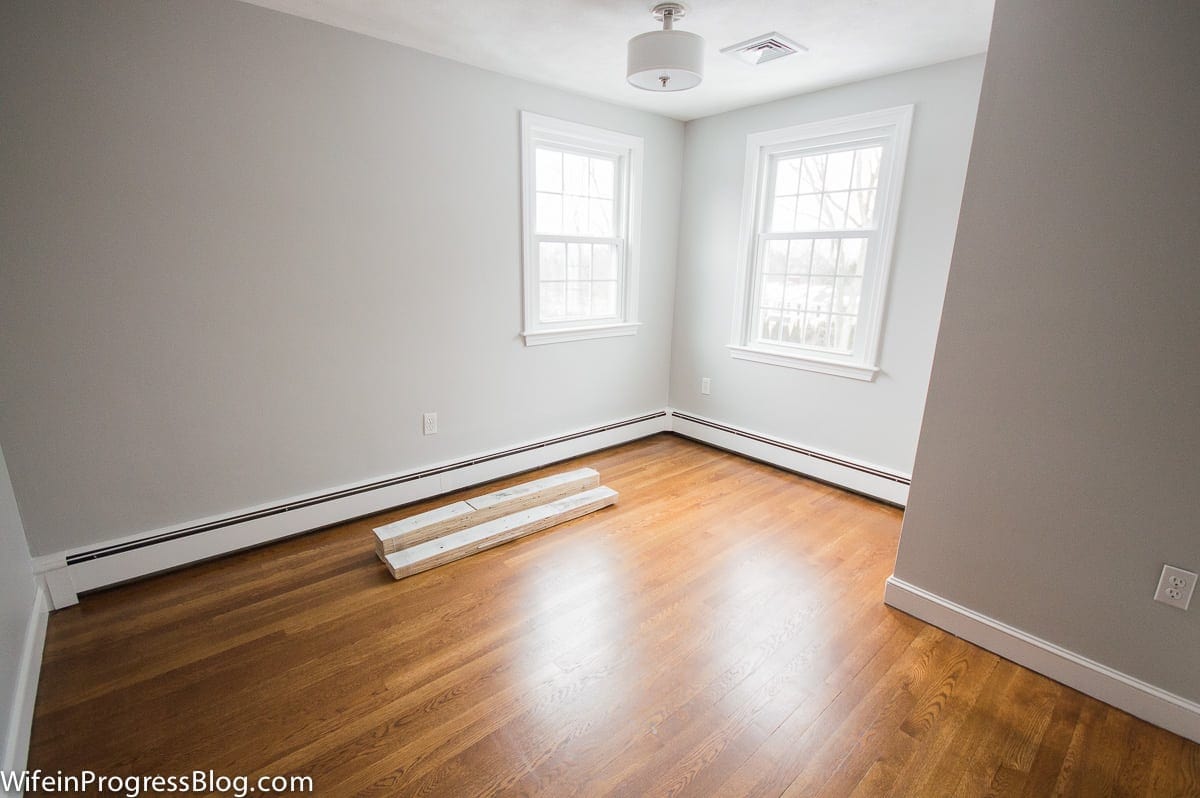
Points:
(580, 44)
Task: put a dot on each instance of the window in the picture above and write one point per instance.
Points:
(817, 230)
(581, 195)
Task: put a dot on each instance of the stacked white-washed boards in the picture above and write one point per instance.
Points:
(458, 530)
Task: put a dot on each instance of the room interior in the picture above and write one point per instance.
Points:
(275, 274)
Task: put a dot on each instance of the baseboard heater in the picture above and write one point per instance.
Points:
(121, 548)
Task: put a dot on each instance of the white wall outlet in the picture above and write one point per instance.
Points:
(705, 386)
(1175, 587)
(429, 423)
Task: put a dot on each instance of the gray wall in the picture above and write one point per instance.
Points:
(875, 422)
(242, 252)
(16, 602)
(1058, 459)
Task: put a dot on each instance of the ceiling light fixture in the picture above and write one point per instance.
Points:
(667, 59)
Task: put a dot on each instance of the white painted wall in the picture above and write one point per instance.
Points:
(242, 252)
(17, 592)
(1057, 465)
(876, 422)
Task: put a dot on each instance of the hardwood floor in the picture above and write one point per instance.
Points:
(721, 631)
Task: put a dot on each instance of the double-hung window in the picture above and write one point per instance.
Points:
(581, 200)
(819, 218)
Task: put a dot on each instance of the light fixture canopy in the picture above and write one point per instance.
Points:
(667, 59)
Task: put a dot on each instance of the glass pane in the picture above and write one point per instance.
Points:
(866, 168)
(775, 257)
(812, 174)
(579, 261)
(833, 210)
(604, 299)
(602, 180)
(787, 176)
(824, 260)
(842, 334)
(861, 211)
(575, 215)
(552, 261)
(837, 170)
(552, 303)
(820, 294)
(547, 170)
(549, 213)
(600, 217)
(783, 214)
(853, 254)
(604, 264)
(769, 325)
(772, 291)
(793, 328)
(799, 256)
(847, 295)
(808, 211)
(575, 174)
(795, 294)
(578, 296)
(816, 329)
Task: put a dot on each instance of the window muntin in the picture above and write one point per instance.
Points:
(817, 234)
(580, 187)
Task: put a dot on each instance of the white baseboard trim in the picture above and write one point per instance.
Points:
(20, 725)
(135, 556)
(874, 481)
(1138, 698)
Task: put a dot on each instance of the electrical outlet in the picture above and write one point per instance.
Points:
(429, 423)
(705, 386)
(1175, 587)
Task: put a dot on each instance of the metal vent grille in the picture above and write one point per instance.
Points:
(761, 49)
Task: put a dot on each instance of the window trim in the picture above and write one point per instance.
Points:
(628, 151)
(893, 125)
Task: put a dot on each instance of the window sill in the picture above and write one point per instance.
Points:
(855, 371)
(557, 336)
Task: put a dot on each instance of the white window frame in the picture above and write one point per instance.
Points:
(627, 150)
(889, 127)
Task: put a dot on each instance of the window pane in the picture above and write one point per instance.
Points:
(795, 294)
(837, 170)
(604, 299)
(549, 213)
(575, 174)
(578, 299)
(769, 325)
(820, 295)
(787, 176)
(847, 295)
(775, 257)
(808, 211)
(552, 261)
(552, 305)
(816, 332)
(842, 334)
(772, 291)
(793, 328)
(824, 260)
(602, 180)
(860, 212)
(604, 264)
(812, 174)
(783, 214)
(833, 210)
(600, 217)
(575, 215)
(547, 170)
(799, 257)
(866, 167)
(579, 261)
(853, 254)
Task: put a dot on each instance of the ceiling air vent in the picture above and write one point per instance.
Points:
(762, 49)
